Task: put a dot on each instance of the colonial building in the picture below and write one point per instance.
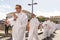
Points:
(55, 18)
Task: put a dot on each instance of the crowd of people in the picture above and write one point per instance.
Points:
(20, 21)
(49, 28)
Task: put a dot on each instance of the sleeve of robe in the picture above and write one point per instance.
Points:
(44, 24)
(34, 22)
(24, 21)
(37, 22)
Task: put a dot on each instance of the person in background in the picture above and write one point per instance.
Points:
(53, 28)
(28, 27)
(33, 31)
(40, 27)
(6, 23)
(47, 27)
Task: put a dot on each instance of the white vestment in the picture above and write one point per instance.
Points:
(33, 32)
(57, 26)
(53, 27)
(46, 26)
(19, 26)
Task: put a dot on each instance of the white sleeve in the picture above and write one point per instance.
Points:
(37, 23)
(24, 21)
(43, 24)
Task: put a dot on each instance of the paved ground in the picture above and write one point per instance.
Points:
(56, 37)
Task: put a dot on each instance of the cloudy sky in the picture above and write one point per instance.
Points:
(45, 8)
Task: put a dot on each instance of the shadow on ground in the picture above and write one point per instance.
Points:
(3, 35)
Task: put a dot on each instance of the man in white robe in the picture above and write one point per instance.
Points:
(19, 23)
(33, 32)
(46, 26)
(53, 27)
(57, 26)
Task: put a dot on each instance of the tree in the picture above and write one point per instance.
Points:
(41, 18)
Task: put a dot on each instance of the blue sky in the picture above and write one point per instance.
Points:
(45, 8)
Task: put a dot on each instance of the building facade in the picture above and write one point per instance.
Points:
(55, 18)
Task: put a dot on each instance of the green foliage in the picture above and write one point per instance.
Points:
(55, 21)
(41, 19)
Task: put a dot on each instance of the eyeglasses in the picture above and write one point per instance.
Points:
(17, 8)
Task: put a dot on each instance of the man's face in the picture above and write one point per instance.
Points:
(18, 9)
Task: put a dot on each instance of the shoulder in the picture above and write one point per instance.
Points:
(23, 14)
(36, 18)
(33, 19)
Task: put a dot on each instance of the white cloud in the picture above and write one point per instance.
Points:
(1, 0)
(3, 15)
(5, 6)
(3, 11)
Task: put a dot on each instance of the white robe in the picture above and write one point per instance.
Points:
(46, 26)
(19, 27)
(33, 32)
(57, 26)
(53, 27)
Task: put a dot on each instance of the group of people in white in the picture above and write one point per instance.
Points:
(20, 21)
(49, 28)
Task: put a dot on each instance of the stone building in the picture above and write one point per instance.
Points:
(55, 18)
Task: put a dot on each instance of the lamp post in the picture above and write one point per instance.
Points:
(32, 5)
